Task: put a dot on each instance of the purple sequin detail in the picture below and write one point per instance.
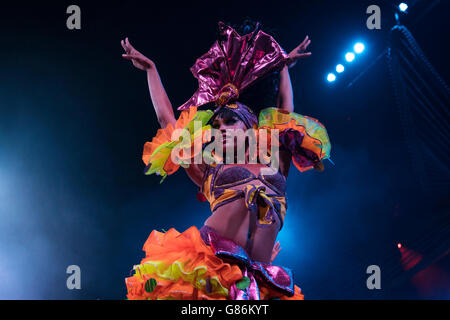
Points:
(236, 175)
(204, 233)
(232, 176)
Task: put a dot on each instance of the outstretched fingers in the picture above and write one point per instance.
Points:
(124, 46)
(307, 44)
(275, 251)
(304, 44)
(128, 44)
(277, 247)
(307, 41)
(304, 41)
(131, 57)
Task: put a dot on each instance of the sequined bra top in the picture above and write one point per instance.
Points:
(217, 188)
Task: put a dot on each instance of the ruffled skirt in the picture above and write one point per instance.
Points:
(185, 266)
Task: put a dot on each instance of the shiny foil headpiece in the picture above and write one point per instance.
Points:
(232, 64)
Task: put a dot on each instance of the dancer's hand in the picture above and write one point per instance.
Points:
(275, 251)
(299, 52)
(139, 60)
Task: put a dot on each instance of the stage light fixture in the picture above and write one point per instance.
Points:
(331, 77)
(340, 68)
(403, 7)
(349, 56)
(358, 47)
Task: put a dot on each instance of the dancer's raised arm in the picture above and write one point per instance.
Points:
(285, 95)
(285, 99)
(160, 100)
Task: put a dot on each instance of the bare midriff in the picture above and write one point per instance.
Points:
(232, 221)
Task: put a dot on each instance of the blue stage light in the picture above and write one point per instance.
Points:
(403, 7)
(339, 68)
(358, 47)
(349, 56)
(331, 77)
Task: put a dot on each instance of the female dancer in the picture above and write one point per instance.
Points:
(231, 256)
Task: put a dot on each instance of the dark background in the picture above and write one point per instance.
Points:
(74, 117)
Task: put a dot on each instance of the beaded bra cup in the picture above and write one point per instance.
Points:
(235, 176)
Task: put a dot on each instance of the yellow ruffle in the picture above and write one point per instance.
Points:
(183, 266)
(315, 136)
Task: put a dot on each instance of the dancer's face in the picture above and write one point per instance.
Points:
(225, 123)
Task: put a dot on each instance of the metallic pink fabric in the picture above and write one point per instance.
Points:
(234, 62)
(277, 277)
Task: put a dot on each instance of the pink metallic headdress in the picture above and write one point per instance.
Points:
(232, 64)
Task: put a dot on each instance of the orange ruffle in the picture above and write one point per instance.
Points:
(165, 136)
(185, 268)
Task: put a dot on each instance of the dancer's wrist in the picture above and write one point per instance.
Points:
(151, 68)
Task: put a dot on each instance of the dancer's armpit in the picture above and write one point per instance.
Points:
(196, 172)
